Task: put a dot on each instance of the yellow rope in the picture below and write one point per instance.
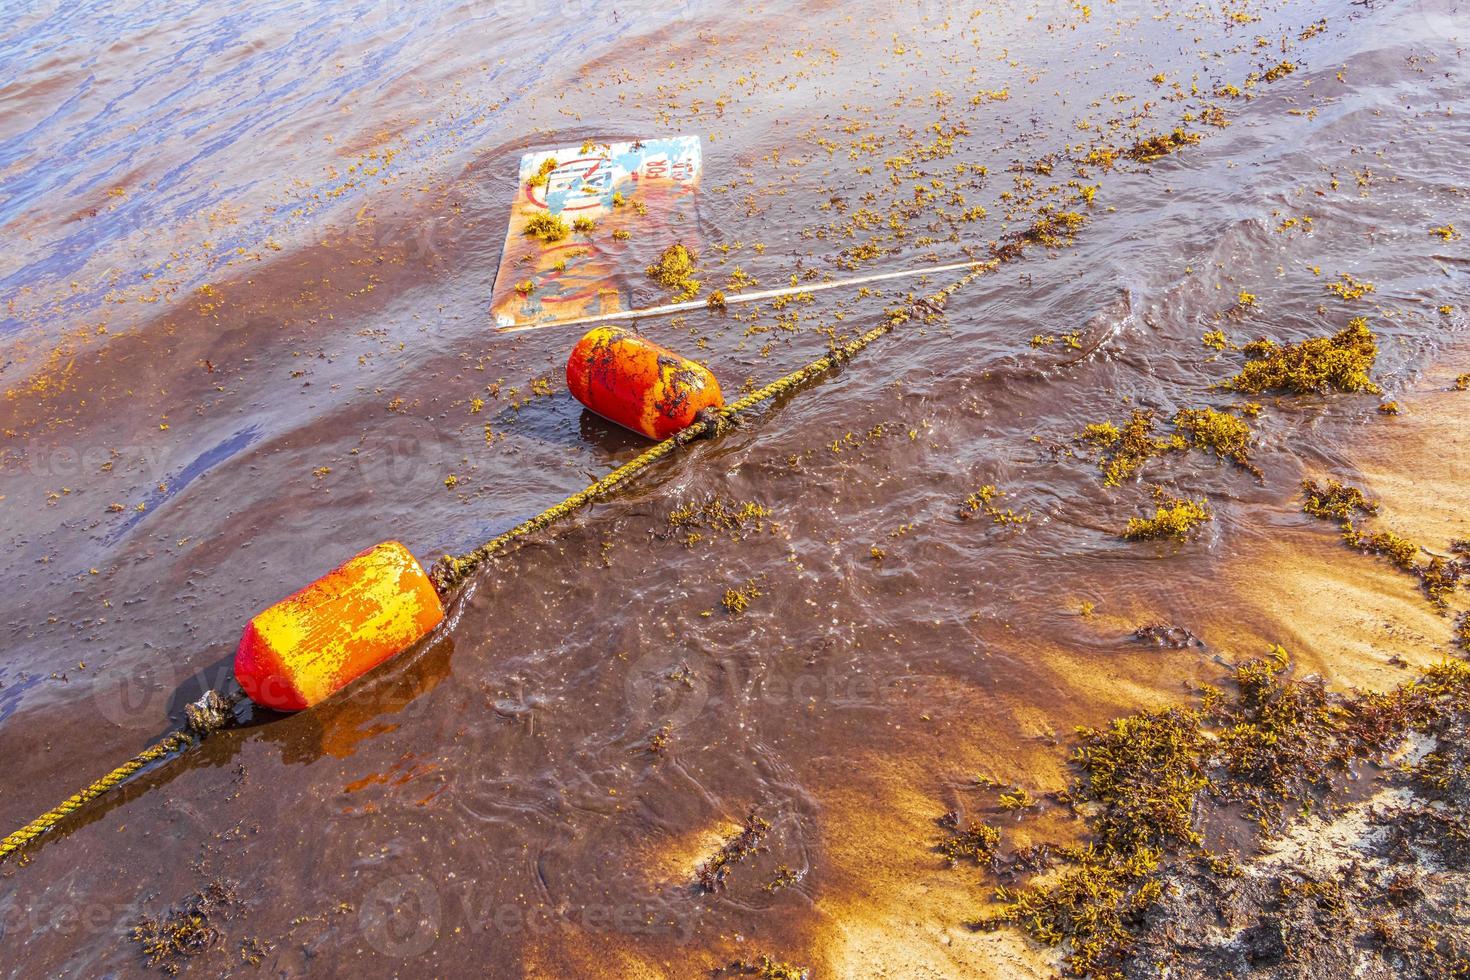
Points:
(170, 744)
(211, 713)
(451, 570)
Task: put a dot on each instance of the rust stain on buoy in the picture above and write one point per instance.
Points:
(634, 382)
(312, 644)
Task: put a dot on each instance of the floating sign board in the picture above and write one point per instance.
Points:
(620, 204)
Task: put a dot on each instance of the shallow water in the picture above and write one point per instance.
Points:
(246, 248)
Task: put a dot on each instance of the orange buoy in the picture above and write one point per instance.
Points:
(310, 645)
(634, 382)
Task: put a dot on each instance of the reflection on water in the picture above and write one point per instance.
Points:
(249, 291)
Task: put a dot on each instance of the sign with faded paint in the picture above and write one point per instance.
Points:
(585, 221)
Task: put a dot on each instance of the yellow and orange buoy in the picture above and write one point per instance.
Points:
(312, 644)
(634, 382)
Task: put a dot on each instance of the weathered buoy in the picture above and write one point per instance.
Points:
(312, 644)
(634, 382)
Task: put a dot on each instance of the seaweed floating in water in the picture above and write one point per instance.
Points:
(1160, 145)
(1222, 434)
(1175, 518)
(674, 270)
(1320, 364)
(736, 601)
(187, 929)
(734, 517)
(982, 501)
(1128, 448)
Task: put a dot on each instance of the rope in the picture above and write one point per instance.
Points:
(450, 570)
(209, 714)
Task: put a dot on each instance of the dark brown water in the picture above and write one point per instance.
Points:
(269, 361)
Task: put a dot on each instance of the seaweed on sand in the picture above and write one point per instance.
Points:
(1147, 784)
(976, 843)
(1439, 576)
(765, 968)
(714, 873)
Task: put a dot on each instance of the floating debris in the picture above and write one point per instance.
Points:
(1175, 518)
(674, 270)
(1220, 433)
(1321, 364)
(1127, 449)
(187, 929)
(736, 601)
(1156, 147)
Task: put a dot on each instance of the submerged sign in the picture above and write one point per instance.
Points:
(585, 220)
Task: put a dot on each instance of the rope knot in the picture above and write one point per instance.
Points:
(709, 423)
(211, 713)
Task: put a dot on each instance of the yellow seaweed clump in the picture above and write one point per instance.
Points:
(546, 226)
(1335, 500)
(674, 270)
(1175, 518)
(1055, 229)
(1224, 435)
(1320, 364)
(1127, 449)
(538, 179)
(1161, 145)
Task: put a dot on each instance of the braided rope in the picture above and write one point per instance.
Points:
(169, 744)
(450, 570)
(211, 713)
